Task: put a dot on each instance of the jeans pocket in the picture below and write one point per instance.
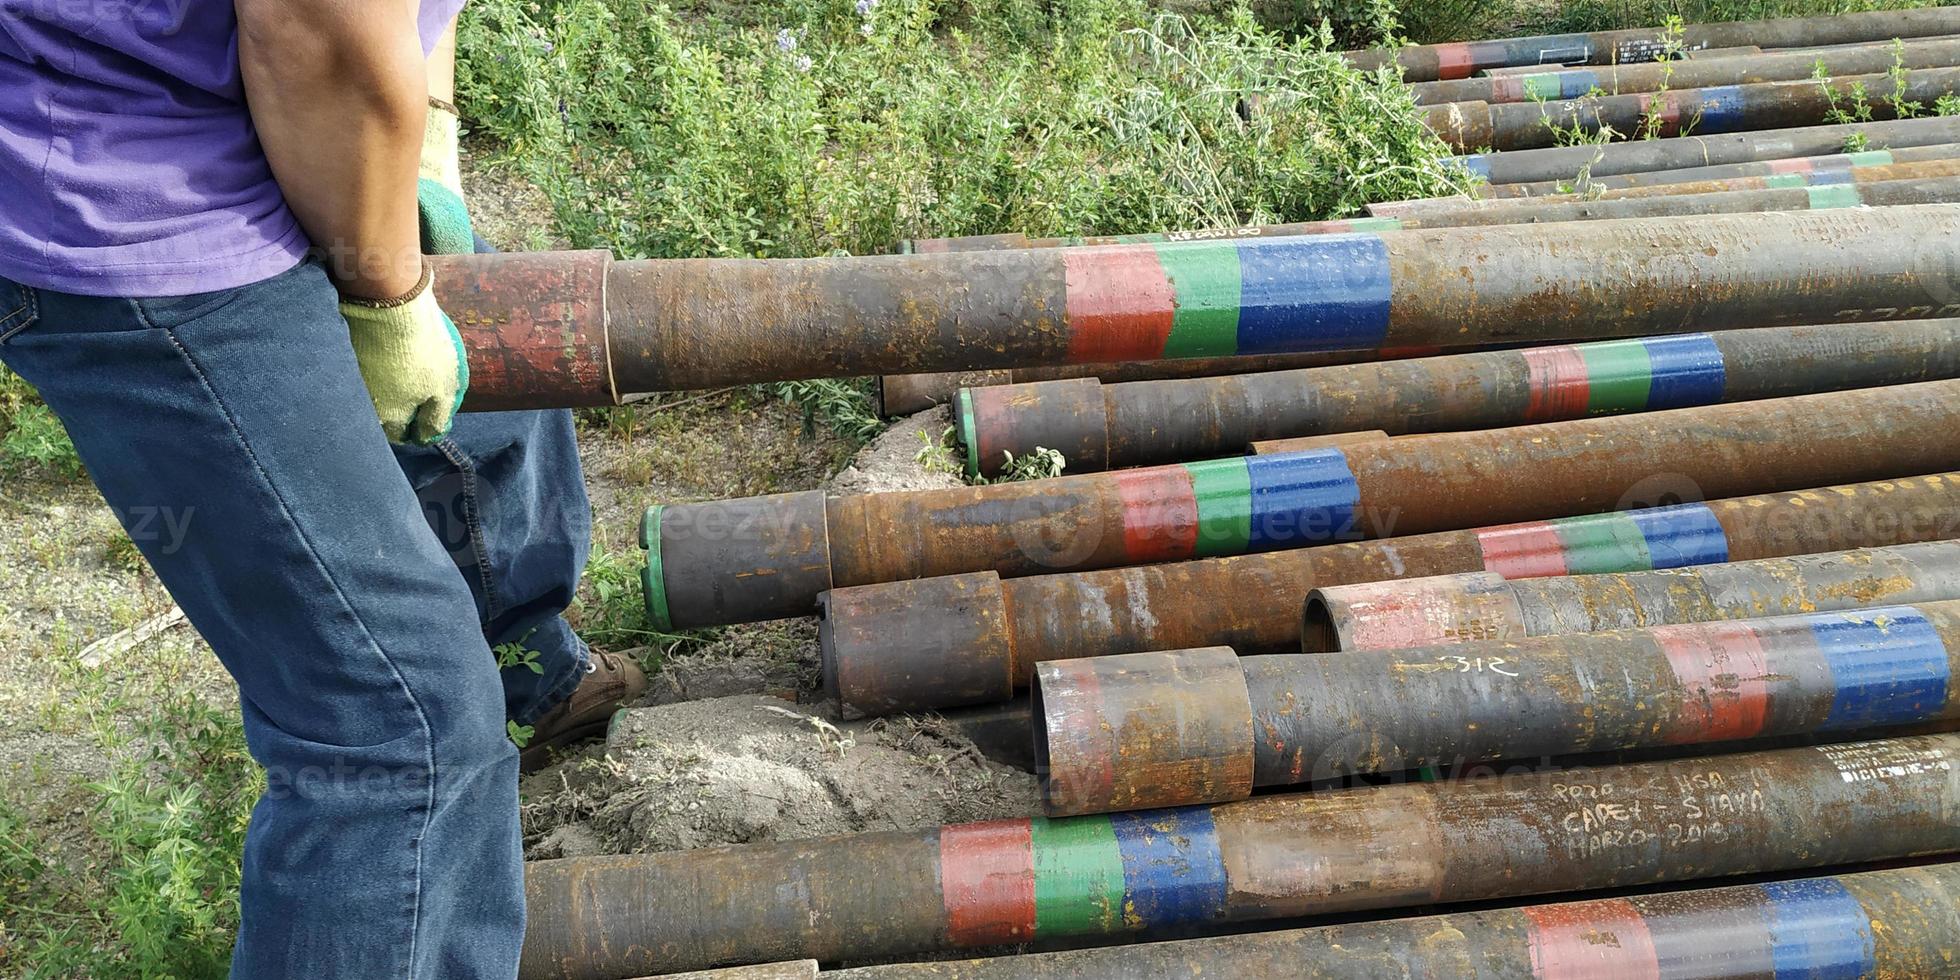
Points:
(19, 309)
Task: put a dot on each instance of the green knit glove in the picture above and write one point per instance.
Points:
(446, 228)
(412, 360)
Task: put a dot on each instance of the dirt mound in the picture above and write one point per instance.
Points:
(892, 460)
(752, 768)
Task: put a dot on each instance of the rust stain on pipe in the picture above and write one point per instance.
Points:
(903, 631)
(768, 557)
(1776, 66)
(1479, 606)
(701, 323)
(1011, 881)
(1100, 426)
(1567, 163)
(1150, 729)
(1461, 59)
(1897, 924)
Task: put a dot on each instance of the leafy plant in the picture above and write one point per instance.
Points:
(31, 438)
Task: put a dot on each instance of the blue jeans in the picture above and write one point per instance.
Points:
(356, 609)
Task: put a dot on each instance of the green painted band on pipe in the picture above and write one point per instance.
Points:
(653, 582)
(1223, 491)
(967, 432)
(1619, 375)
(1603, 543)
(1835, 196)
(1204, 279)
(1078, 876)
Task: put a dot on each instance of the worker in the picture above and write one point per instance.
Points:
(213, 215)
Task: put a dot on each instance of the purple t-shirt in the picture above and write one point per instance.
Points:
(128, 162)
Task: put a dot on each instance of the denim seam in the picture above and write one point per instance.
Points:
(29, 305)
(428, 732)
(473, 519)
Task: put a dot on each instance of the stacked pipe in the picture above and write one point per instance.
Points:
(1859, 59)
(975, 638)
(1828, 168)
(770, 557)
(1203, 726)
(1477, 606)
(576, 328)
(1902, 922)
(1565, 163)
(1468, 126)
(1099, 426)
(1011, 881)
(1432, 62)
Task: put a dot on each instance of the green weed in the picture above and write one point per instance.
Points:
(31, 438)
(159, 896)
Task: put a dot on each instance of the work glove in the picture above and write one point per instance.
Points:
(412, 360)
(446, 228)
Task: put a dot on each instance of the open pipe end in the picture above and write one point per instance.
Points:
(1318, 633)
(1142, 731)
(916, 646)
(719, 562)
(1067, 415)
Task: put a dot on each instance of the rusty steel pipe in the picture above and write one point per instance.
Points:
(1826, 169)
(1567, 163)
(1461, 59)
(699, 323)
(996, 243)
(1267, 447)
(1099, 426)
(1176, 728)
(1776, 66)
(1481, 606)
(1918, 183)
(1461, 211)
(904, 394)
(1871, 171)
(1471, 126)
(1897, 923)
(974, 638)
(754, 558)
(1011, 881)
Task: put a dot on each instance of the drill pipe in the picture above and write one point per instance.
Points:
(1639, 156)
(1779, 66)
(701, 323)
(1468, 126)
(1461, 59)
(1449, 212)
(904, 394)
(1896, 923)
(742, 560)
(996, 243)
(1480, 606)
(1821, 185)
(1109, 876)
(966, 639)
(1101, 427)
(1146, 730)
(1829, 168)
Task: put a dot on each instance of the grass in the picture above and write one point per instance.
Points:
(772, 128)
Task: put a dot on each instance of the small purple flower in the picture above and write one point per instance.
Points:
(803, 62)
(865, 7)
(866, 29)
(785, 41)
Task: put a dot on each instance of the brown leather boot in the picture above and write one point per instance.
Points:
(611, 682)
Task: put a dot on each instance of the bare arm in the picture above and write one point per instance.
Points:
(339, 91)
